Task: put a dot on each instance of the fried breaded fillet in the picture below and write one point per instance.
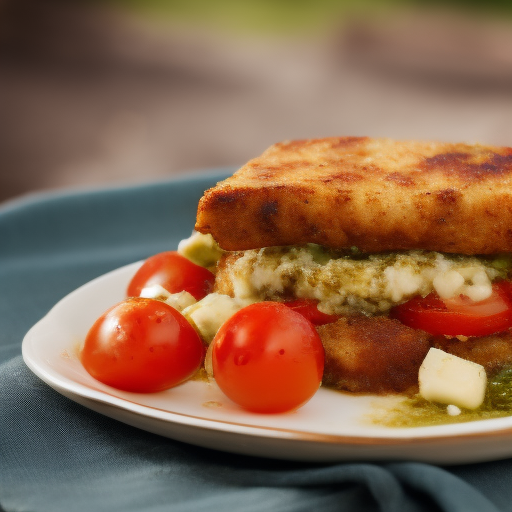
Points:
(381, 355)
(372, 355)
(492, 352)
(375, 194)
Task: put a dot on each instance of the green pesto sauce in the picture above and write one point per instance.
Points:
(418, 412)
(501, 262)
(349, 281)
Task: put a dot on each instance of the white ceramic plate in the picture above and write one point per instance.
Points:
(331, 427)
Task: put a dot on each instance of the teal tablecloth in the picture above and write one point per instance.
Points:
(57, 456)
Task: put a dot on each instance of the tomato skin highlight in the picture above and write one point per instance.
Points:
(142, 345)
(268, 358)
(459, 316)
(173, 272)
(309, 309)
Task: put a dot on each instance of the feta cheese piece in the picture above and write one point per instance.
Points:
(200, 249)
(448, 283)
(402, 282)
(179, 301)
(449, 379)
(453, 410)
(211, 312)
(370, 284)
(155, 292)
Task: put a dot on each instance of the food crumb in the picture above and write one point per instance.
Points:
(453, 410)
(212, 403)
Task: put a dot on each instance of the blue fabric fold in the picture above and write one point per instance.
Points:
(56, 455)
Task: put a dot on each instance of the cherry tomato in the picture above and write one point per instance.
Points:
(268, 358)
(142, 345)
(308, 308)
(459, 315)
(173, 272)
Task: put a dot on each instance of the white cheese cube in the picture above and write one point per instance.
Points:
(179, 301)
(211, 312)
(155, 292)
(200, 249)
(448, 379)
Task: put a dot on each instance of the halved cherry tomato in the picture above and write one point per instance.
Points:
(142, 345)
(174, 273)
(268, 358)
(308, 308)
(459, 315)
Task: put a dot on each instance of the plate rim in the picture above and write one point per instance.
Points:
(66, 386)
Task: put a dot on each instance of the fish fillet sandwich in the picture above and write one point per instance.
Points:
(404, 246)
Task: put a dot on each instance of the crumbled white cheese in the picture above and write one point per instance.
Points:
(448, 283)
(343, 285)
(453, 410)
(155, 292)
(179, 301)
(401, 281)
(474, 282)
(208, 314)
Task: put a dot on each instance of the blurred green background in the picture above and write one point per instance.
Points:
(292, 17)
(257, 17)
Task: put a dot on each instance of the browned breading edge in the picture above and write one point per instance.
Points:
(376, 194)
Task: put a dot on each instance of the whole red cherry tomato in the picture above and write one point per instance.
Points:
(459, 315)
(173, 272)
(309, 309)
(268, 358)
(142, 345)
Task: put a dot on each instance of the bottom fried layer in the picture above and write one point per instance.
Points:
(381, 355)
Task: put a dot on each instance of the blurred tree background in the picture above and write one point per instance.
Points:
(124, 91)
(292, 16)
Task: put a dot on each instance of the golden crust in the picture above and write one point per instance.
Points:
(381, 355)
(376, 194)
(492, 352)
(372, 355)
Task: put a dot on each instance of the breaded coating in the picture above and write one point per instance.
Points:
(372, 355)
(492, 352)
(223, 283)
(380, 355)
(374, 194)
